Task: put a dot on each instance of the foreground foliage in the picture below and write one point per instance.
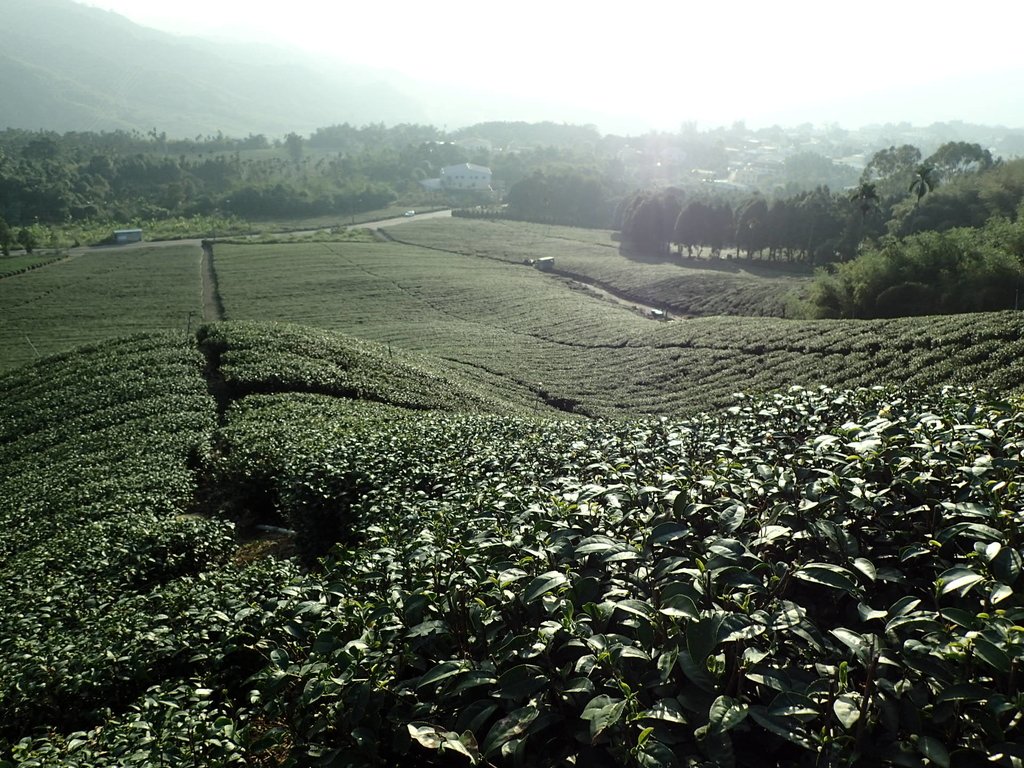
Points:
(818, 577)
(812, 578)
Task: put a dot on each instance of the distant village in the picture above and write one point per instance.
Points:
(743, 160)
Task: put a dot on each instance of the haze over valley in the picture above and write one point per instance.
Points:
(263, 68)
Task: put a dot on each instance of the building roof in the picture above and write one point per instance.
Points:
(465, 167)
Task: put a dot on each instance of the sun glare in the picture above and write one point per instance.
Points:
(665, 63)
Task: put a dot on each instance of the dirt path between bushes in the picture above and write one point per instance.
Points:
(213, 306)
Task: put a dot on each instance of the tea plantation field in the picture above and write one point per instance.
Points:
(682, 286)
(98, 295)
(815, 577)
(522, 331)
(424, 505)
(524, 337)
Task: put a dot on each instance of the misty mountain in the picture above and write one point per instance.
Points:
(69, 67)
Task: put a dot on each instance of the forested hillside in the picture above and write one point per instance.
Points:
(71, 67)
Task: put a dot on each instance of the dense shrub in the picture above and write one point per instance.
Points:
(961, 270)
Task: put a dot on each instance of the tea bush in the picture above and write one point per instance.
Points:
(813, 577)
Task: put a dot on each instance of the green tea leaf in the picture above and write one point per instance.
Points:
(847, 709)
(441, 671)
(509, 727)
(866, 567)
(543, 584)
(702, 637)
(426, 735)
(666, 709)
(828, 575)
(964, 692)
(726, 713)
(521, 681)
(679, 606)
(603, 712)
(960, 580)
(992, 655)
(934, 750)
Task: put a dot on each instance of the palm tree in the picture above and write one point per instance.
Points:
(866, 198)
(924, 181)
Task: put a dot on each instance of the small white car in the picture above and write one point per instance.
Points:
(409, 213)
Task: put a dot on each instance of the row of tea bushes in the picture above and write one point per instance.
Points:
(318, 465)
(103, 561)
(256, 358)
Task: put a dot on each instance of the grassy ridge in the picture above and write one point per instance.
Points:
(254, 358)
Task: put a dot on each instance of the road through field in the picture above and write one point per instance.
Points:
(446, 214)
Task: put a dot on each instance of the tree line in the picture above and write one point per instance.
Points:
(814, 227)
(941, 234)
(51, 178)
(899, 194)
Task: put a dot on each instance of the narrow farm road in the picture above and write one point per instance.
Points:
(445, 214)
(574, 281)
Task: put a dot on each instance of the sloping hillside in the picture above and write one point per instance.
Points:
(70, 67)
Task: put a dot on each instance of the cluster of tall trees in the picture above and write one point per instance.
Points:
(814, 227)
(565, 195)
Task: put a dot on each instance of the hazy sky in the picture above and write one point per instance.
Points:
(663, 61)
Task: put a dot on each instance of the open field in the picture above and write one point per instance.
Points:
(695, 287)
(98, 295)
